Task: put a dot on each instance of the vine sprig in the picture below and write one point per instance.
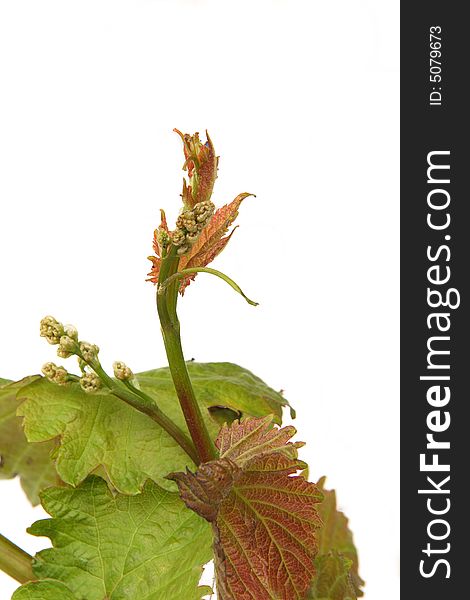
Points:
(252, 468)
(199, 236)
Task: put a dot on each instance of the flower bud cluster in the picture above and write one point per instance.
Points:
(189, 225)
(89, 352)
(55, 374)
(66, 337)
(90, 382)
(51, 329)
(162, 239)
(67, 346)
(122, 371)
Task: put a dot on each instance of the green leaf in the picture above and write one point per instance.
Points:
(146, 547)
(333, 580)
(100, 430)
(337, 561)
(224, 385)
(30, 461)
(263, 515)
(49, 589)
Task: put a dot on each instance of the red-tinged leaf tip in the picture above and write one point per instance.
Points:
(213, 238)
(163, 223)
(264, 517)
(256, 437)
(201, 165)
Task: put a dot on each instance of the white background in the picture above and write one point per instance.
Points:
(301, 100)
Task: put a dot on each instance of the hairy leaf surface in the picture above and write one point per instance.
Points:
(100, 430)
(337, 562)
(264, 516)
(30, 461)
(119, 547)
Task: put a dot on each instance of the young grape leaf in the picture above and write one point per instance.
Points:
(212, 240)
(337, 562)
(48, 589)
(101, 430)
(209, 245)
(201, 164)
(264, 517)
(119, 547)
(225, 385)
(30, 461)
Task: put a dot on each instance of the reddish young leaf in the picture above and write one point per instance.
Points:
(212, 240)
(201, 165)
(264, 516)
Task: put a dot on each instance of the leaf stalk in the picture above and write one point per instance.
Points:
(14, 561)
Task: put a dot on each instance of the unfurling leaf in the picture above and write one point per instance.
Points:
(337, 561)
(119, 547)
(201, 165)
(100, 430)
(30, 461)
(264, 516)
(212, 240)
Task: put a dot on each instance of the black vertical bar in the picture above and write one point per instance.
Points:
(434, 118)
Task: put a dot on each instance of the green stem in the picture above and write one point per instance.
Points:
(185, 272)
(166, 305)
(145, 404)
(15, 562)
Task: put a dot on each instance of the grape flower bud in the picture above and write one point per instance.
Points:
(51, 329)
(122, 371)
(89, 352)
(190, 224)
(90, 382)
(67, 347)
(55, 374)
